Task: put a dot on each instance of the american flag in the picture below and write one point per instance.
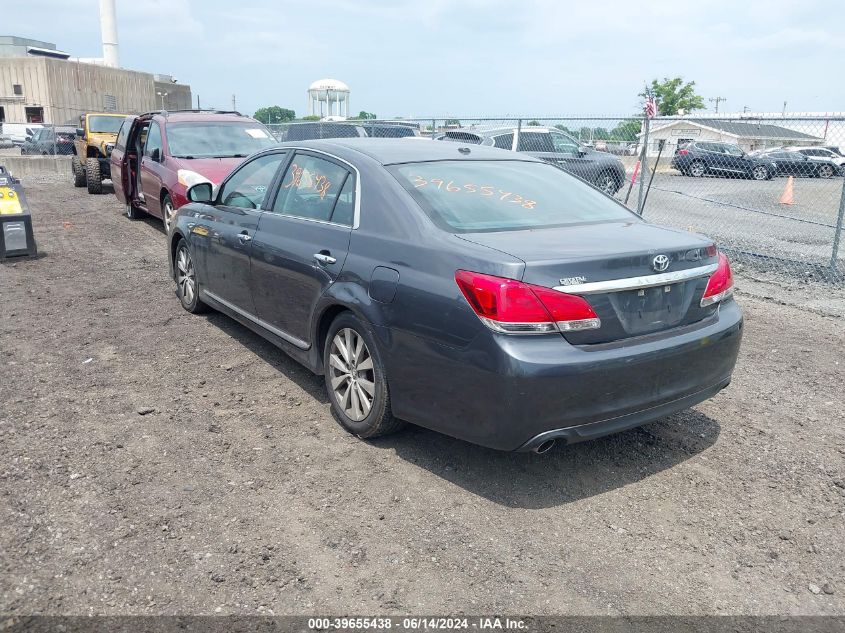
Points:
(650, 105)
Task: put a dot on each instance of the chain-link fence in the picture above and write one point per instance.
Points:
(769, 190)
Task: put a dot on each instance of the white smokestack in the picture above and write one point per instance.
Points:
(108, 27)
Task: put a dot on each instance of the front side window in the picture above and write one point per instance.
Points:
(469, 196)
(313, 187)
(535, 142)
(217, 139)
(565, 145)
(247, 187)
(153, 140)
(733, 150)
(122, 134)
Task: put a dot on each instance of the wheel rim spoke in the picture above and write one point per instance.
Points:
(367, 386)
(366, 364)
(337, 362)
(363, 399)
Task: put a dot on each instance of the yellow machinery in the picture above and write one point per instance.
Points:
(16, 237)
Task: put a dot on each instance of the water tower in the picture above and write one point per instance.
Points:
(328, 97)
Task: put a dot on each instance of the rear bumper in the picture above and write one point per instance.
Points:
(513, 393)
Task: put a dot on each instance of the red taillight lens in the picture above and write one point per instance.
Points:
(683, 152)
(513, 307)
(720, 286)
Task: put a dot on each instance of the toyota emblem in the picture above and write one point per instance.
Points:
(660, 263)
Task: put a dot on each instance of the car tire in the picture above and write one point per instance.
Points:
(350, 377)
(825, 171)
(606, 182)
(93, 177)
(78, 172)
(132, 212)
(760, 172)
(187, 283)
(697, 169)
(167, 216)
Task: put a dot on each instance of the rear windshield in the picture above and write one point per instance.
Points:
(107, 124)
(469, 196)
(217, 139)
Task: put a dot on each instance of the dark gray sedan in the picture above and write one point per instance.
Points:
(479, 292)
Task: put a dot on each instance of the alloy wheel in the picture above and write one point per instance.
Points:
(697, 169)
(826, 171)
(168, 212)
(186, 277)
(760, 173)
(351, 373)
(606, 183)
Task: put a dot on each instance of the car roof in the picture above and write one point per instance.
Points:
(194, 117)
(389, 151)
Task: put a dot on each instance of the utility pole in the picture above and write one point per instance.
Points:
(234, 107)
(717, 101)
(198, 103)
(784, 109)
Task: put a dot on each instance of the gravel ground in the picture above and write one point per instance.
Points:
(155, 462)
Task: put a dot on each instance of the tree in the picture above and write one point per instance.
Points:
(452, 123)
(626, 130)
(366, 115)
(673, 95)
(534, 123)
(274, 114)
(311, 117)
(565, 129)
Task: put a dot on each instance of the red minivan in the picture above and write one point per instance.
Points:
(157, 156)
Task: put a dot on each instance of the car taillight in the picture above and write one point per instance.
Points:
(513, 307)
(683, 152)
(720, 286)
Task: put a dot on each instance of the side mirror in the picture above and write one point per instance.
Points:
(155, 156)
(80, 132)
(200, 192)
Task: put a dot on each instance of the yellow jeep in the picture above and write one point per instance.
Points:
(94, 141)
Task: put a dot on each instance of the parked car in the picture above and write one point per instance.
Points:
(18, 132)
(701, 158)
(95, 138)
(389, 130)
(822, 155)
(47, 141)
(311, 130)
(478, 292)
(600, 169)
(791, 163)
(158, 155)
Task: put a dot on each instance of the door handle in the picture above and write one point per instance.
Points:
(243, 238)
(324, 258)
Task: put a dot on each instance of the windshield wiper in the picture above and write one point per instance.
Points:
(183, 156)
(231, 156)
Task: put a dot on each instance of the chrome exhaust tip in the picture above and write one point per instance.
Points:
(544, 447)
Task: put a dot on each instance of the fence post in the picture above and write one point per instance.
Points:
(834, 268)
(518, 133)
(55, 149)
(433, 128)
(643, 165)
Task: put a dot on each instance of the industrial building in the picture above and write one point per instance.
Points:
(41, 84)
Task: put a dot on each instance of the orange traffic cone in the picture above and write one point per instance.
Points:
(787, 195)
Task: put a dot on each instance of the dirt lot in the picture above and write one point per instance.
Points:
(152, 461)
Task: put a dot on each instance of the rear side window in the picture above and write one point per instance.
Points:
(469, 196)
(312, 187)
(503, 141)
(462, 137)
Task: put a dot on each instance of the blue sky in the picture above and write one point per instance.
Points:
(468, 57)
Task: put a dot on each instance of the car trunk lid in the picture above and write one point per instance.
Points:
(619, 268)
